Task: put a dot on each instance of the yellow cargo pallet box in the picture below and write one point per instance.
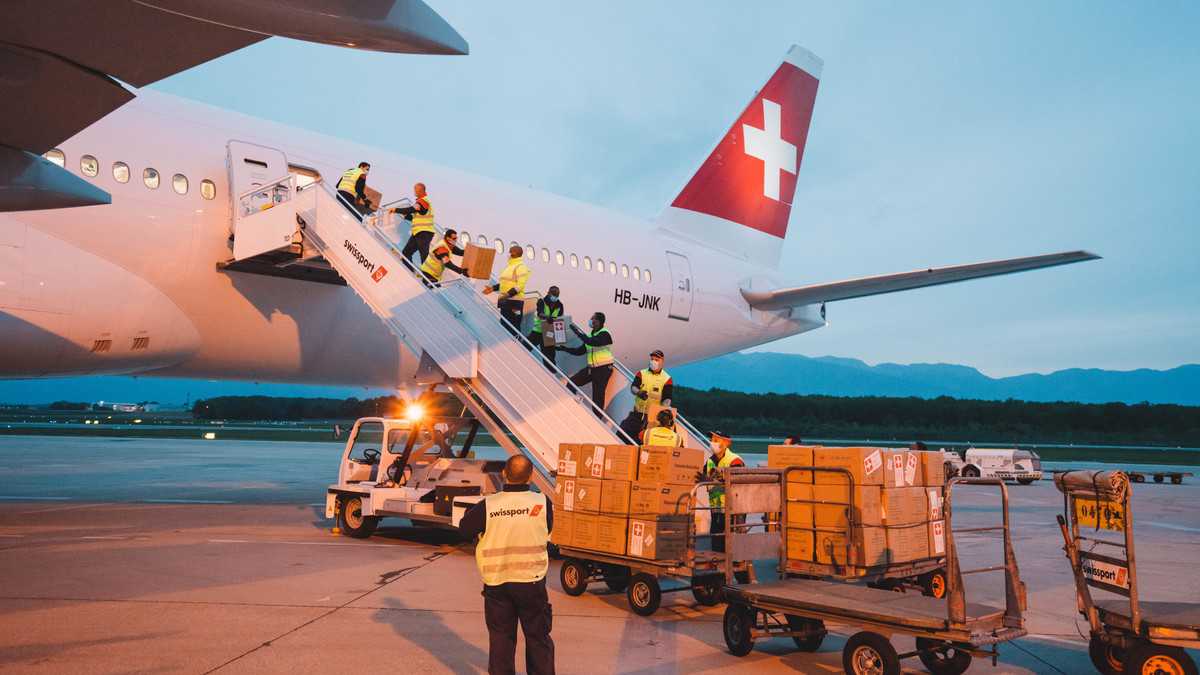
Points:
(864, 464)
(782, 456)
(867, 508)
(905, 505)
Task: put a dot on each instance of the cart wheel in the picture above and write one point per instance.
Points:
(707, 590)
(1150, 659)
(573, 576)
(644, 594)
(1139, 478)
(1176, 480)
(1109, 659)
(352, 521)
(868, 653)
(816, 629)
(616, 578)
(1158, 478)
(742, 576)
(942, 658)
(739, 621)
(933, 584)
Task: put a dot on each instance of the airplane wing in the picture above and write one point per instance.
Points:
(890, 283)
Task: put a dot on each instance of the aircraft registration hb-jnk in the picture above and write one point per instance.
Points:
(119, 243)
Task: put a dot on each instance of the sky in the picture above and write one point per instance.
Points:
(944, 133)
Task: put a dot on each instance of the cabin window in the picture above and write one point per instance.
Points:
(612, 268)
(647, 276)
(208, 189)
(499, 246)
(151, 178)
(121, 172)
(600, 265)
(625, 271)
(637, 274)
(464, 236)
(482, 240)
(574, 260)
(179, 183)
(88, 166)
(530, 252)
(56, 156)
(545, 255)
(558, 258)
(587, 264)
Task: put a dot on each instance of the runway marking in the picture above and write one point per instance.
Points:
(1169, 526)
(106, 537)
(12, 535)
(1053, 638)
(186, 501)
(13, 498)
(297, 543)
(56, 509)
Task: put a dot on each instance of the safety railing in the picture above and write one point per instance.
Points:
(266, 196)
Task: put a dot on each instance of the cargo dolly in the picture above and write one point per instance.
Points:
(949, 632)
(1128, 635)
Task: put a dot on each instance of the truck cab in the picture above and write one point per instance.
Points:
(1023, 466)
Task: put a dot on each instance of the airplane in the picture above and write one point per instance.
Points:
(119, 249)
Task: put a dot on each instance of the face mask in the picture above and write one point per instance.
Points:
(714, 446)
(655, 365)
(552, 298)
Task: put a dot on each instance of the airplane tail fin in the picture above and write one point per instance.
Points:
(740, 199)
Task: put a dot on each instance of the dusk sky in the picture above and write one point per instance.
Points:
(943, 134)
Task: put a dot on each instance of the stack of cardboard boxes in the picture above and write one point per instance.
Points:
(624, 500)
(897, 499)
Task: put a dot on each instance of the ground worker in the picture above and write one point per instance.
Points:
(663, 434)
(439, 257)
(651, 386)
(422, 230)
(512, 290)
(598, 347)
(722, 458)
(512, 559)
(792, 439)
(548, 309)
(352, 188)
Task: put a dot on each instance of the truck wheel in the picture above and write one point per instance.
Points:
(352, 521)
(970, 472)
(942, 658)
(1139, 478)
(816, 632)
(933, 584)
(1025, 481)
(707, 590)
(738, 622)
(1151, 659)
(1158, 478)
(868, 653)
(616, 578)
(1176, 480)
(1108, 659)
(573, 576)
(644, 594)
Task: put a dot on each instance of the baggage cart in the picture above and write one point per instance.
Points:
(1128, 634)
(949, 632)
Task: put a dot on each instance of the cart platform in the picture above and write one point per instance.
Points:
(1185, 615)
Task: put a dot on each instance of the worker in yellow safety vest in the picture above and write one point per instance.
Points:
(420, 234)
(650, 386)
(351, 187)
(722, 458)
(548, 309)
(515, 525)
(597, 345)
(439, 258)
(512, 290)
(664, 434)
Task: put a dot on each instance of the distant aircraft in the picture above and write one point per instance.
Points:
(119, 244)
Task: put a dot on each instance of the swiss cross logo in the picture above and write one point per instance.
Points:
(379, 274)
(537, 508)
(768, 145)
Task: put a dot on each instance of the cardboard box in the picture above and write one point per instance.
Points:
(376, 199)
(591, 461)
(937, 538)
(583, 530)
(556, 331)
(864, 464)
(901, 469)
(652, 414)
(564, 528)
(620, 462)
(867, 506)
(577, 494)
(614, 496)
(669, 465)
(800, 544)
(934, 503)
(908, 543)
(780, 456)
(800, 514)
(648, 498)
(905, 505)
(478, 261)
(933, 468)
(610, 534)
(870, 548)
(658, 538)
(568, 459)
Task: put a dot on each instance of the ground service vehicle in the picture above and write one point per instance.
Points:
(1023, 466)
(1128, 635)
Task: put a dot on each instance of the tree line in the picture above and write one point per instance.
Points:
(861, 417)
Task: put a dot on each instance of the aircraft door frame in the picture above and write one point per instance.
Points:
(681, 286)
(256, 225)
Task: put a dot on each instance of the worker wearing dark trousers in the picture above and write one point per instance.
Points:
(511, 555)
(420, 215)
(512, 290)
(598, 347)
(548, 309)
(650, 386)
(714, 468)
(439, 259)
(352, 189)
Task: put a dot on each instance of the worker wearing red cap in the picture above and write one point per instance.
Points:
(650, 386)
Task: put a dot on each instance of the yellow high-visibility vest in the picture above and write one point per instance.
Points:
(423, 223)
(599, 356)
(432, 265)
(513, 545)
(652, 384)
(663, 436)
(554, 313)
(716, 495)
(349, 180)
(514, 276)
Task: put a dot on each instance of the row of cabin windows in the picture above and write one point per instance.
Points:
(531, 254)
(90, 167)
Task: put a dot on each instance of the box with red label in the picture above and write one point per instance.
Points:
(591, 460)
(577, 494)
(864, 464)
(568, 459)
(658, 538)
(934, 501)
(902, 469)
(620, 462)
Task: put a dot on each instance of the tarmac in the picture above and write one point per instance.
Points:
(139, 585)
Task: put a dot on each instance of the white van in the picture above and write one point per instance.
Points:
(1023, 466)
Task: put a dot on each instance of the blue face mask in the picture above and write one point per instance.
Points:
(552, 298)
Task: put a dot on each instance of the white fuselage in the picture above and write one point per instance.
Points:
(141, 272)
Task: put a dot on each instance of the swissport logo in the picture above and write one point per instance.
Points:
(509, 513)
(379, 274)
(537, 508)
(1106, 573)
(362, 259)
